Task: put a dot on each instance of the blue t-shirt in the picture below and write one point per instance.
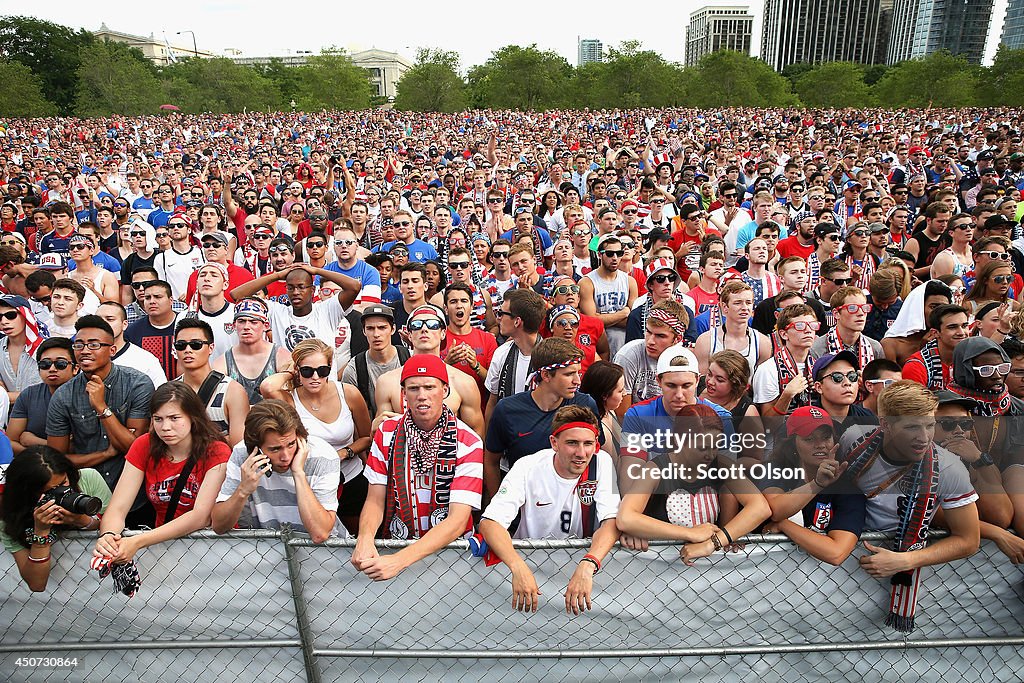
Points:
(518, 426)
(650, 416)
(103, 260)
(390, 296)
(158, 218)
(361, 271)
(419, 251)
(57, 245)
(144, 204)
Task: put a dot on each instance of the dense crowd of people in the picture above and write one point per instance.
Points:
(499, 325)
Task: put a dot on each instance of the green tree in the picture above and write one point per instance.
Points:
(331, 80)
(116, 80)
(728, 79)
(836, 84)
(795, 70)
(219, 85)
(632, 77)
(521, 78)
(1003, 82)
(938, 80)
(432, 84)
(286, 79)
(50, 50)
(21, 94)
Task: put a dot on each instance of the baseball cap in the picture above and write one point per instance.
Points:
(850, 184)
(658, 265)
(826, 228)
(915, 150)
(657, 234)
(828, 359)
(425, 365)
(987, 155)
(997, 221)
(806, 420)
(52, 261)
(877, 228)
(947, 397)
(674, 352)
(218, 235)
(378, 310)
(1016, 156)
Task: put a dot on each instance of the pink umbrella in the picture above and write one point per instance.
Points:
(169, 107)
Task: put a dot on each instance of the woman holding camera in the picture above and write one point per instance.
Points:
(181, 462)
(38, 480)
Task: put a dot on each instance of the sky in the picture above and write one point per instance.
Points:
(474, 30)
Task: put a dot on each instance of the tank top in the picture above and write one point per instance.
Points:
(610, 296)
(959, 269)
(251, 386)
(751, 354)
(339, 433)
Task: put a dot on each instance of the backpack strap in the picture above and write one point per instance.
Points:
(209, 386)
(404, 353)
(363, 379)
(589, 510)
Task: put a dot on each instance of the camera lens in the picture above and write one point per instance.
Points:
(75, 502)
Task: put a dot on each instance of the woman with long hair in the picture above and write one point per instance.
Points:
(809, 506)
(548, 208)
(605, 383)
(124, 243)
(727, 384)
(704, 508)
(28, 521)
(179, 465)
(333, 411)
(436, 281)
(992, 284)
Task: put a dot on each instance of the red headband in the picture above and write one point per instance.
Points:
(575, 425)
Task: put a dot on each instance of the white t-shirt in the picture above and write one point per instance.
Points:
(548, 505)
(522, 369)
(175, 268)
(275, 502)
(223, 325)
(321, 323)
(132, 356)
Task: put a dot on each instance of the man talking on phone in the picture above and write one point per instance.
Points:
(278, 475)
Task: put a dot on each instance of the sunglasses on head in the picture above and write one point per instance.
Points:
(883, 382)
(59, 363)
(948, 424)
(307, 371)
(280, 249)
(194, 344)
(430, 323)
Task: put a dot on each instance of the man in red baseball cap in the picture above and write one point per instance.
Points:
(425, 473)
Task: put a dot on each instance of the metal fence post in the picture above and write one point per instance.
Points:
(301, 616)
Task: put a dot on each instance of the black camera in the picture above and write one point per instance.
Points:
(72, 500)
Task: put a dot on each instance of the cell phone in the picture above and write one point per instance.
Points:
(270, 468)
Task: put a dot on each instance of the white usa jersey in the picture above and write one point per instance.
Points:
(549, 505)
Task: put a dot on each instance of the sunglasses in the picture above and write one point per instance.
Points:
(261, 237)
(581, 233)
(499, 254)
(458, 265)
(860, 233)
(837, 377)
(883, 382)
(137, 233)
(430, 323)
(494, 201)
(666, 277)
(60, 364)
(562, 290)
(566, 324)
(948, 424)
(995, 255)
(143, 284)
(77, 247)
(194, 344)
(212, 245)
(307, 371)
(1002, 279)
(404, 224)
(162, 235)
(804, 326)
(172, 226)
(613, 254)
(855, 308)
(1002, 369)
(841, 281)
(628, 212)
(316, 245)
(9, 315)
(733, 195)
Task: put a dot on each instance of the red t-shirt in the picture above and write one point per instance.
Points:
(791, 247)
(483, 344)
(162, 476)
(236, 276)
(916, 370)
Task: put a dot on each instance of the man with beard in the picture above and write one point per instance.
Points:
(346, 249)
(802, 242)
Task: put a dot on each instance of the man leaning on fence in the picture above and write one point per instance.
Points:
(566, 491)
(425, 470)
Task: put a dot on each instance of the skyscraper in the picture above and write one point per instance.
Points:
(815, 31)
(1013, 26)
(590, 50)
(714, 28)
(921, 27)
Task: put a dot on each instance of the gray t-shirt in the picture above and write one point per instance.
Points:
(374, 370)
(955, 489)
(27, 374)
(128, 392)
(640, 371)
(31, 405)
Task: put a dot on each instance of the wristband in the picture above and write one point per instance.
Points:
(593, 560)
(36, 539)
(777, 411)
(716, 542)
(38, 560)
(728, 536)
(108, 533)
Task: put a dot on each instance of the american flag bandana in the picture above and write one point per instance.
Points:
(35, 331)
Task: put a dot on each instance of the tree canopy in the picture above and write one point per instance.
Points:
(433, 83)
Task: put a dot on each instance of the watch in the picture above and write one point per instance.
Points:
(349, 453)
(107, 412)
(984, 460)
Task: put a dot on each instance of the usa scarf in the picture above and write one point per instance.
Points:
(834, 344)
(987, 403)
(920, 488)
(788, 371)
(933, 364)
(413, 454)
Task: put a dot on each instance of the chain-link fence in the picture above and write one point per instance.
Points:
(266, 606)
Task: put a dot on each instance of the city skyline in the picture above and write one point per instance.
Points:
(220, 25)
